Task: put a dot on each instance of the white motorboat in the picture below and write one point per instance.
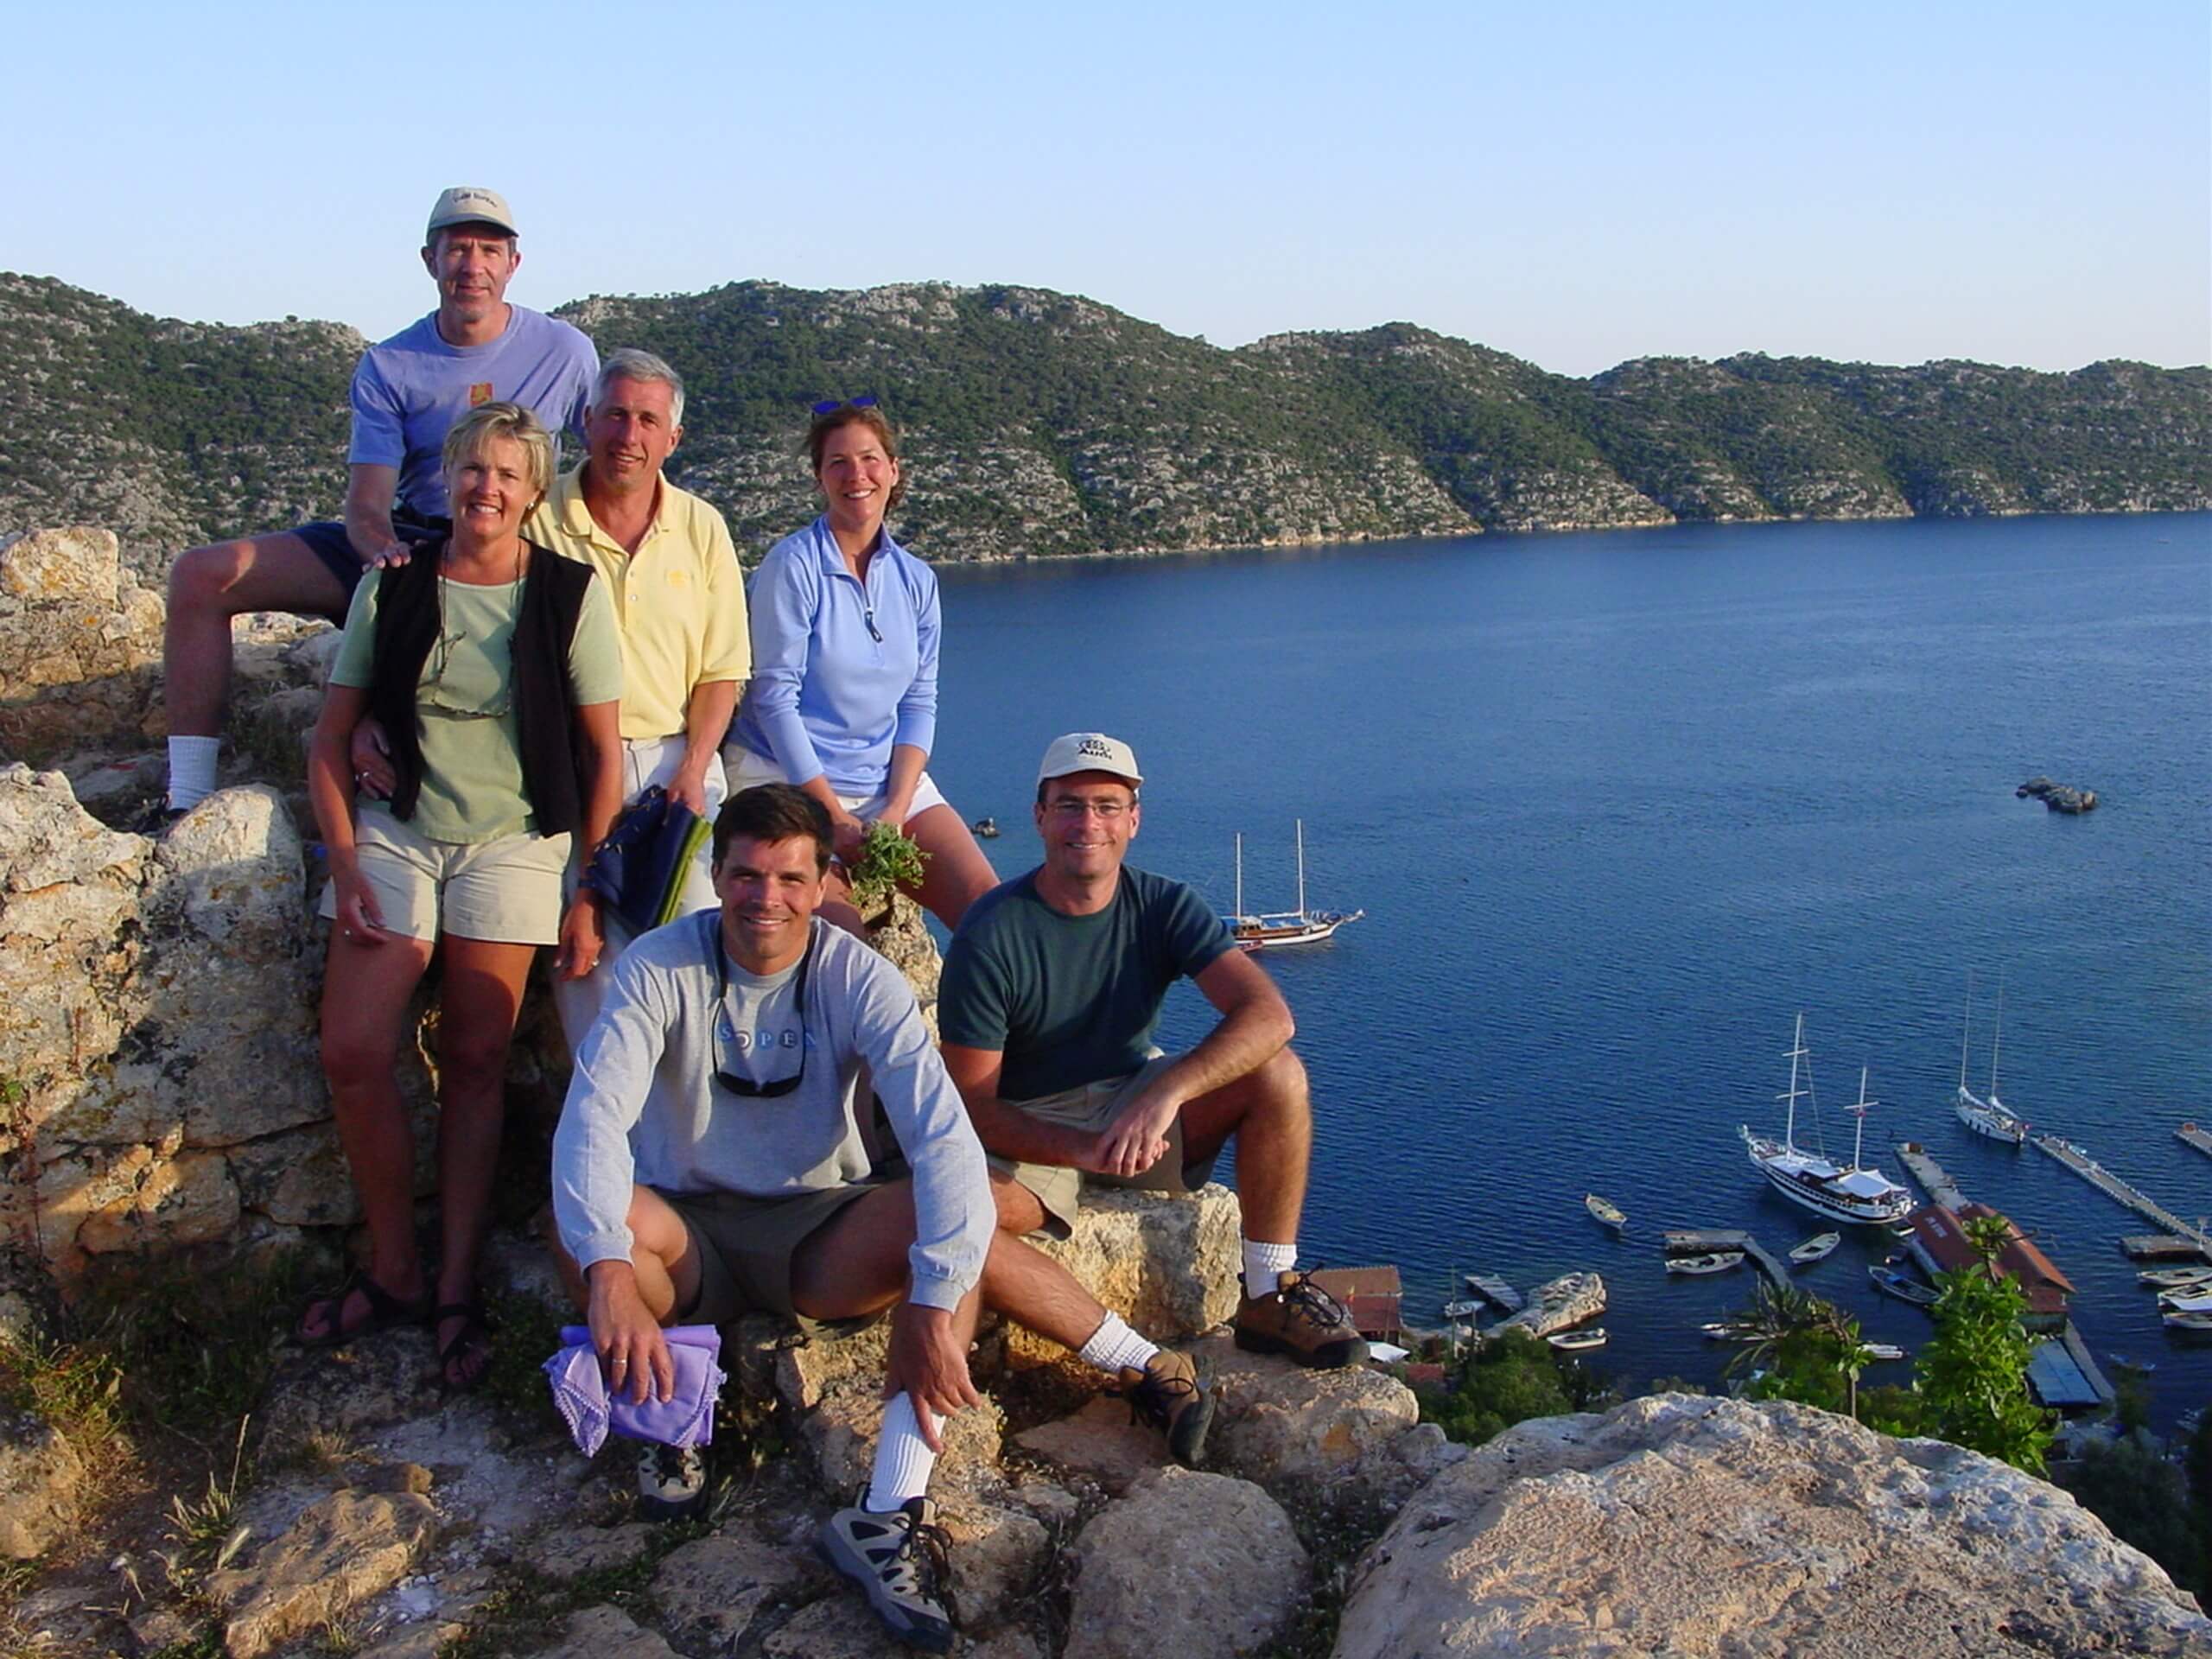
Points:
(1611, 1214)
(1264, 930)
(2186, 1302)
(1883, 1351)
(2174, 1278)
(1859, 1193)
(2189, 1323)
(1466, 1308)
(1815, 1249)
(1576, 1342)
(1711, 1262)
(1988, 1115)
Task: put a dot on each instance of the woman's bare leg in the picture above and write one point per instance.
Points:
(956, 873)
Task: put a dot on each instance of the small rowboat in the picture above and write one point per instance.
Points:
(2185, 1301)
(1714, 1261)
(1464, 1310)
(1611, 1214)
(1880, 1350)
(1815, 1247)
(2190, 1324)
(1892, 1282)
(1576, 1342)
(2174, 1278)
(1724, 1331)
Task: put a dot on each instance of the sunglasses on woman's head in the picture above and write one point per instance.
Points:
(836, 404)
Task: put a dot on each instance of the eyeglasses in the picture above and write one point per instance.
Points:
(1071, 809)
(776, 1087)
(834, 405)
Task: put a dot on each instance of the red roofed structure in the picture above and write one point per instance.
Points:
(1371, 1295)
(1939, 1243)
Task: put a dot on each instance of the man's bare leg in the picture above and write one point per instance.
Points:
(660, 1255)
(1270, 1114)
(210, 585)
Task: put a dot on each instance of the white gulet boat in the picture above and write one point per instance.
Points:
(1267, 929)
(1857, 1193)
(1989, 1116)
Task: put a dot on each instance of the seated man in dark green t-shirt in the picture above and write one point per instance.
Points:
(1051, 989)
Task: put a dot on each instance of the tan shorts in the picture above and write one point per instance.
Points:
(504, 892)
(1059, 1187)
(745, 1246)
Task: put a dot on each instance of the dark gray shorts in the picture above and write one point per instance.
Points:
(745, 1246)
(327, 541)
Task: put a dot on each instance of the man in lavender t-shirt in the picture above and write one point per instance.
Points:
(408, 391)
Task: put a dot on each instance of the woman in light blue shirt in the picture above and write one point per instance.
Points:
(842, 701)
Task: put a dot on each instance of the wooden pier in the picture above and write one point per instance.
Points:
(2196, 1138)
(1701, 1243)
(2112, 1187)
(1930, 1175)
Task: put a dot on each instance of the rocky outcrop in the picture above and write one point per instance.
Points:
(40, 1474)
(1707, 1527)
(343, 1549)
(1210, 1563)
(80, 645)
(2059, 797)
(1560, 1304)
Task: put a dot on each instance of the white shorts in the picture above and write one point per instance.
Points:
(504, 892)
(747, 770)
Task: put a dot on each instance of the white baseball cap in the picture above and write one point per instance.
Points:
(467, 204)
(1090, 752)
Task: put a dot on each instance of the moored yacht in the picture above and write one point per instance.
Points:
(1988, 1115)
(1858, 1193)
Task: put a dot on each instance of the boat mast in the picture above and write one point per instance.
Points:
(1302, 873)
(1796, 1050)
(1965, 1033)
(1240, 873)
(1996, 1036)
(1858, 1141)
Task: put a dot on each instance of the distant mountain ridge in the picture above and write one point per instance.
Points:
(1039, 424)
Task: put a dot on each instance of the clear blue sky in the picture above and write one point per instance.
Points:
(2026, 183)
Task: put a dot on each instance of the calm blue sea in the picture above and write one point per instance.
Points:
(1619, 807)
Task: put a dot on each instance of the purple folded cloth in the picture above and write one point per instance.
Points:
(687, 1418)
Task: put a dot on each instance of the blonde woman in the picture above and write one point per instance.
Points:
(495, 669)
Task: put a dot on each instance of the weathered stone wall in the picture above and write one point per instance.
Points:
(80, 645)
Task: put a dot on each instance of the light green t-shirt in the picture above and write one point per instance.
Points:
(471, 757)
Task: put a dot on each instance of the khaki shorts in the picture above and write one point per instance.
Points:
(504, 892)
(745, 1246)
(1059, 1187)
(746, 770)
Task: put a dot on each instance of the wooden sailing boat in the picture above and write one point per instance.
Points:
(1989, 1116)
(1277, 927)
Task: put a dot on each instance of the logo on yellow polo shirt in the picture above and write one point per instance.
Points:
(480, 393)
(679, 578)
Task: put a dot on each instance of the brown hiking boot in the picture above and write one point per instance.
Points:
(1171, 1395)
(1301, 1321)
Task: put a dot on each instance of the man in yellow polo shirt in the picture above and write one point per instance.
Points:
(679, 598)
(671, 569)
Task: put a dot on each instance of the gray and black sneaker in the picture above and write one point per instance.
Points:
(1170, 1393)
(671, 1482)
(901, 1560)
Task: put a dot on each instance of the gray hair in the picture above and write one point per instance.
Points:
(630, 364)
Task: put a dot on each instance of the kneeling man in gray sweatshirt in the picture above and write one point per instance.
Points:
(709, 1163)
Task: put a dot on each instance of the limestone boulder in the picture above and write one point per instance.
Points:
(39, 1477)
(840, 1434)
(1100, 1441)
(1331, 1434)
(606, 1633)
(340, 1551)
(1167, 1265)
(1693, 1526)
(80, 645)
(999, 1558)
(1205, 1563)
(710, 1591)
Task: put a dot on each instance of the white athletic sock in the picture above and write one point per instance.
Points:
(1266, 1263)
(1114, 1348)
(903, 1459)
(192, 769)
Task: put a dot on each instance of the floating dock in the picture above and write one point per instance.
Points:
(2112, 1187)
(2196, 1138)
(1495, 1291)
(2158, 1246)
(2064, 1375)
(1930, 1175)
(1701, 1243)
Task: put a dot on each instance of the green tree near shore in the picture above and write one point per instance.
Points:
(1975, 1373)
